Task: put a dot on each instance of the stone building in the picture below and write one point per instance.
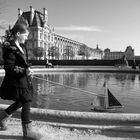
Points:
(129, 53)
(64, 43)
(96, 53)
(42, 35)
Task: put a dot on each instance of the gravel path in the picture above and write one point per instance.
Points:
(14, 132)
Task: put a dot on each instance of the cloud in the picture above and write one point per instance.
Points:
(2, 27)
(79, 28)
(4, 24)
(82, 38)
(76, 37)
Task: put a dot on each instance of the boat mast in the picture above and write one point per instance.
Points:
(106, 95)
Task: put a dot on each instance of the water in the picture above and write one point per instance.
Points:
(125, 87)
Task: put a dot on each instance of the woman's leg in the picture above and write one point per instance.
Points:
(28, 132)
(7, 113)
(12, 108)
(25, 113)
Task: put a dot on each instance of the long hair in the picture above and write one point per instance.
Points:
(11, 33)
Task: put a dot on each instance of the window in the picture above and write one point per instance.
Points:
(30, 35)
(34, 35)
(30, 45)
(41, 44)
(40, 35)
(44, 36)
(34, 44)
(48, 37)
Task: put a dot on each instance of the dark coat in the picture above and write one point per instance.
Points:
(16, 84)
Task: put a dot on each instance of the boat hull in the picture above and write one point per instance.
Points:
(111, 109)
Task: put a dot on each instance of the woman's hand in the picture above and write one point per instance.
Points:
(29, 72)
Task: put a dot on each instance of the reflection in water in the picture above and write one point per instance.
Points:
(124, 78)
(54, 96)
(82, 80)
(68, 79)
(125, 87)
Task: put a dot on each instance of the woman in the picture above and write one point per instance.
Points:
(17, 85)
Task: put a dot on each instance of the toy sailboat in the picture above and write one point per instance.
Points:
(106, 103)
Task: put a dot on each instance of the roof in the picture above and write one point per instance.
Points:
(37, 19)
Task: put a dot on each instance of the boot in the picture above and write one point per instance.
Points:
(29, 133)
(3, 117)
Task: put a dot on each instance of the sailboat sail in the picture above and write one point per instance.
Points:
(99, 101)
(107, 102)
(112, 101)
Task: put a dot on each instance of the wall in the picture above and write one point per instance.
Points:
(81, 62)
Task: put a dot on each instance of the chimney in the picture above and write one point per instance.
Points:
(31, 15)
(45, 15)
(19, 12)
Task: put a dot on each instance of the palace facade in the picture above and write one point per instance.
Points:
(96, 53)
(43, 36)
(67, 45)
(129, 53)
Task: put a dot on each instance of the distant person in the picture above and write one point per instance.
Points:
(48, 64)
(17, 84)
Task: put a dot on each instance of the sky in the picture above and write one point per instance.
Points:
(113, 24)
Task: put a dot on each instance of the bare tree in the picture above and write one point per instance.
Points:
(38, 52)
(53, 51)
(84, 51)
(68, 52)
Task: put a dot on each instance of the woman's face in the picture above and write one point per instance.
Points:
(22, 37)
